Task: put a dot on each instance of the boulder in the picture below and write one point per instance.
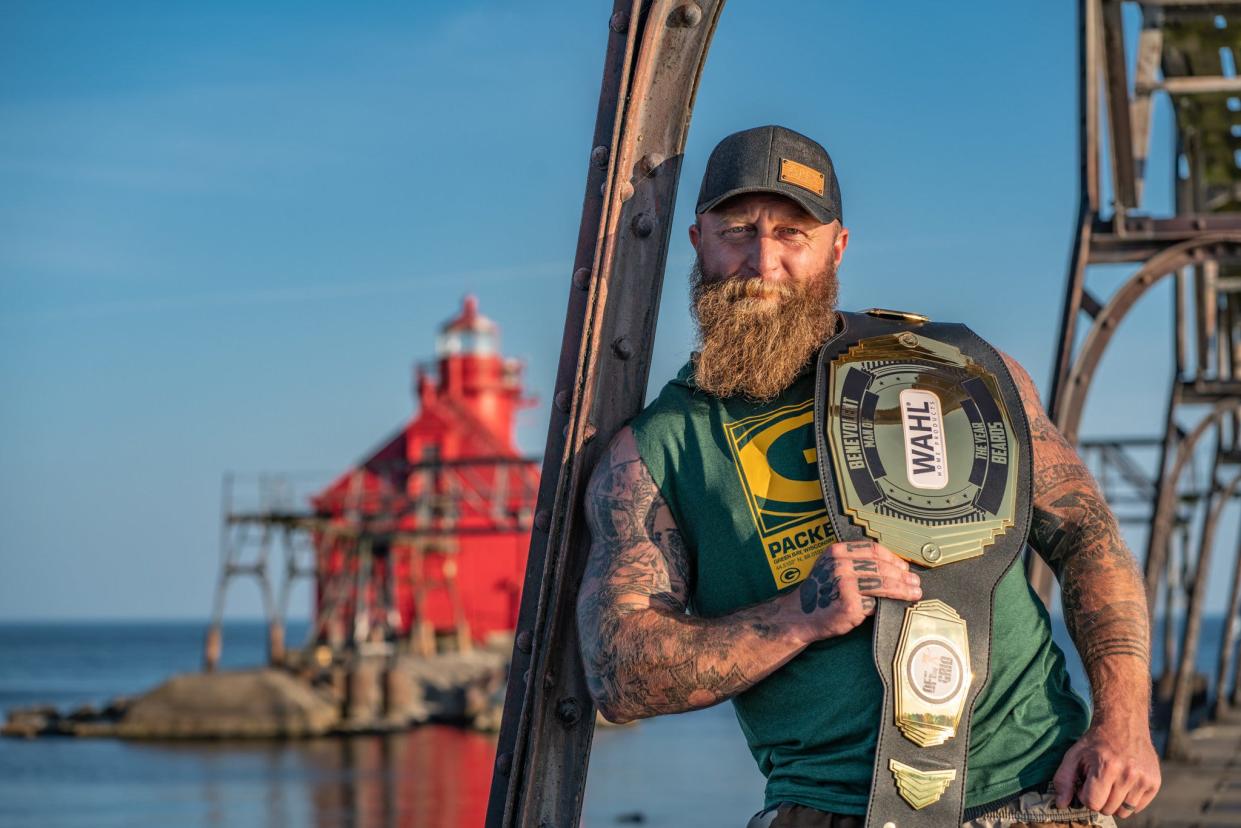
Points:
(262, 703)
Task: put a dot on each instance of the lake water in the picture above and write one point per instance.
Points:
(685, 770)
(430, 776)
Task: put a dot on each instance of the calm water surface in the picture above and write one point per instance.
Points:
(687, 770)
(678, 770)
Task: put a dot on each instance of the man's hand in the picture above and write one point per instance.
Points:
(840, 591)
(1111, 769)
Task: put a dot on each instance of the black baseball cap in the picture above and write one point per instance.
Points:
(772, 159)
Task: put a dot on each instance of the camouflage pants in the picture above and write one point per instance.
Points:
(1028, 810)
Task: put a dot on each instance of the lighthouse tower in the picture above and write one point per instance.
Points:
(474, 378)
(435, 523)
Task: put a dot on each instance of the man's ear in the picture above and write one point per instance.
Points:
(694, 235)
(839, 245)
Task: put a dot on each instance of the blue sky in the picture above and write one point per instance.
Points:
(228, 230)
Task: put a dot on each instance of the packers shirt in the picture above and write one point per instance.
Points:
(741, 480)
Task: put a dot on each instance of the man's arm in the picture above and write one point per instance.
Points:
(644, 655)
(1113, 768)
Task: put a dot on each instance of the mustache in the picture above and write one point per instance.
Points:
(749, 287)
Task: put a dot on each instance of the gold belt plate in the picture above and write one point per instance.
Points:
(931, 673)
(922, 446)
(918, 787)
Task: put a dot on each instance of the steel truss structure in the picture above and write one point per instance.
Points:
(1186, 50)
(655, 53)
(274, 538)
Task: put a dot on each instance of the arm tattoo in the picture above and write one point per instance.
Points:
(643, 653)
(1073, 529)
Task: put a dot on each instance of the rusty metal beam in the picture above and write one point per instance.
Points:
(1228, 641)
(1150, 50)
(1120, 128)
(654, 60)
(1074, 303)
(1070, 407)
(1162, 519)
(1197, 85)
(1195, 5)
(1177, 746)
(1141, 239)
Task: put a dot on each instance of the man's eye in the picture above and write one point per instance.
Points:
(791, 231)
(738, 230)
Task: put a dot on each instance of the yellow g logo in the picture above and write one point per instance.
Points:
(776, 462)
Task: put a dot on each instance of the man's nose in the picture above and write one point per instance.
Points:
(765, 257)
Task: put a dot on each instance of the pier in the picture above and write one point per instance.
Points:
(1204, 789)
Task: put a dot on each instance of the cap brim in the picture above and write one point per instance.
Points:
(818, 211)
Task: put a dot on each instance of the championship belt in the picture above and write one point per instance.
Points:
(924, 448)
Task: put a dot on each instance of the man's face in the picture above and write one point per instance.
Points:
(766, 237)
(763, 293)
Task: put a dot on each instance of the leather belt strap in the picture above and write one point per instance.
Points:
(967, 586)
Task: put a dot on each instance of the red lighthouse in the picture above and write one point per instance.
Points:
(428, 534)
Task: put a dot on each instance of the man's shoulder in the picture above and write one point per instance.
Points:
(673, 412)
(678, 396)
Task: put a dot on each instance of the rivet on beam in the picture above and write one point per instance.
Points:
(622, 347)
(542, 520)
(643, 225)
(525, 641)
(504, 764)
(581, 278)
(568, 711)
(650, 162)
(563, 400)
(625, 191)
(689, 15)
(599, 156)
(619, 23)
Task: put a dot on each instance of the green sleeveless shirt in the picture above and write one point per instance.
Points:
(742, 484)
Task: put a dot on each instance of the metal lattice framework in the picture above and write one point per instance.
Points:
(274, 538)
(1187, 50)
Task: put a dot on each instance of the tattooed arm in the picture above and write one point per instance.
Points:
(1113, 768)
(645, 655)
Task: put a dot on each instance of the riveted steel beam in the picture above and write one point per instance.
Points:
(656, 50)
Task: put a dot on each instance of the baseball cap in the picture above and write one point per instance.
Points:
(772, 159)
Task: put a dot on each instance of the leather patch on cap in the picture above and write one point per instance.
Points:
(808, 178)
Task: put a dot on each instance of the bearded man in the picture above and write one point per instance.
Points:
(714, 572)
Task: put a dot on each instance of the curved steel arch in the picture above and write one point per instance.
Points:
(1214, 246)
(1161, 520)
